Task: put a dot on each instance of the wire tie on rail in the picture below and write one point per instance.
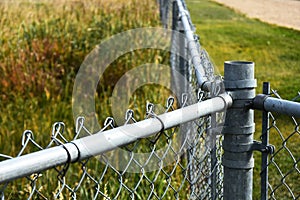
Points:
(161, 122)
(63, 172)
(150, 113)
(153, 115)
(78, 152)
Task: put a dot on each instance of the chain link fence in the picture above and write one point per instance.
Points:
(195, 171)
(98, 177)
(179, 162)
(206, 176)
(280, 171)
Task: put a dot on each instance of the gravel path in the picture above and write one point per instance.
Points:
(280, 12)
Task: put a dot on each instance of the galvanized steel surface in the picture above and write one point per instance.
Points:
(238, 131)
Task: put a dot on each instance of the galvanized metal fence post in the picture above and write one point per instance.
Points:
(213, 155)
(265, 141)
(238, 131)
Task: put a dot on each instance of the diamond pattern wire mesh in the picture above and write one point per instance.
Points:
(97, 178)
(195, 172)
(205, 172)
(283, 164)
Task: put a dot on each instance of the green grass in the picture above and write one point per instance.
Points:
(41, 51)
(227, 35)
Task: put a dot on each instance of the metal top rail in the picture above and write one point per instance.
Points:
(271, 104)
(192, 46)
(101, 142)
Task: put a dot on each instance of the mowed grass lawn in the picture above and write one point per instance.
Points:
(42, 46)
(228, 35)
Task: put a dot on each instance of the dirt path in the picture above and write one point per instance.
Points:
(280, 12)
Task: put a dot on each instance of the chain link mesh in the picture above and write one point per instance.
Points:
(93, 179)
(195, 173)
(283, 164)
(204, 156)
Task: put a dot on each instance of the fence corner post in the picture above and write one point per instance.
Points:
(238, 130)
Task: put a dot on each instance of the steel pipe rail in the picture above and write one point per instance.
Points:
(101, 142)
(271, 104)
(192, 46)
